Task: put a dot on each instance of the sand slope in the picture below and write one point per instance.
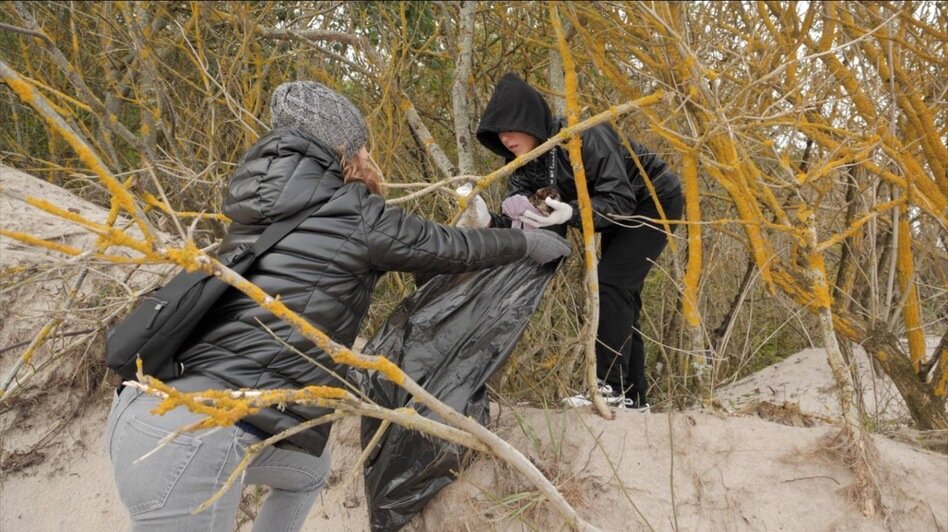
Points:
(726, 473)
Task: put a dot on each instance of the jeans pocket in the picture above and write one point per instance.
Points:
(245, 440)
(146, 485)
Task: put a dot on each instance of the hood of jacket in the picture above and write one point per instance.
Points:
(283, 173)
(514, 106)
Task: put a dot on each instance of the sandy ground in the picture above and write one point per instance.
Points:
(804, 379)
(743, 467)
(686, 471)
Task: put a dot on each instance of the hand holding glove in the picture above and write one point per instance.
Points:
(560, 214)
(514, 207)
(544, 246)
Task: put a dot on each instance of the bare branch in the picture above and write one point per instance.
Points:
(29, 95)
(107, 120)
(24, 31)
(418, 127)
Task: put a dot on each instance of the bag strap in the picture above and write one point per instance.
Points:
(276, 231)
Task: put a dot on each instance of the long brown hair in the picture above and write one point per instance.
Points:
(366, 172)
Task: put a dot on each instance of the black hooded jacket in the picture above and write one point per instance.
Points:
(325, 270)
(613, 178)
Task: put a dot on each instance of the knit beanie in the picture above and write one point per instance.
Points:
(320, 112)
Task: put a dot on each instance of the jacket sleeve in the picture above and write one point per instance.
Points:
(399, 241)
(500, 220)
(654, 166)
(610, 190)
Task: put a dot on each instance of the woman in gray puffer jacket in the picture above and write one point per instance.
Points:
(325, 270)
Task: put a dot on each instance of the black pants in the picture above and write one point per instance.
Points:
(627, 255)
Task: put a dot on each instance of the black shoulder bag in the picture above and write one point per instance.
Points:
(158, 327)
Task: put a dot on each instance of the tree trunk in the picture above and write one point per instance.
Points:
(462, 115)
(926, 407)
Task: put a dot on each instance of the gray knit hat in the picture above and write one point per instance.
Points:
(321, 112)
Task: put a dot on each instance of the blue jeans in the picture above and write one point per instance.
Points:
(162, 490)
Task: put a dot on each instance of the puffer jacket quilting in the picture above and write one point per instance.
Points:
(325, 270)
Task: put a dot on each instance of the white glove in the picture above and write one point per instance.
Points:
(476, 215)
(561, 213)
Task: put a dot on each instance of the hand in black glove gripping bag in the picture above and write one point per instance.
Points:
(544, 246)
(450, 336)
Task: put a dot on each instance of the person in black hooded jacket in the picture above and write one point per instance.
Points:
(516, 120)
(314, 159)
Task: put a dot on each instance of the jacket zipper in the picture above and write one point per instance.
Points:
(160, 304)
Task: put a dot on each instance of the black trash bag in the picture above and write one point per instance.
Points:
(450, 337)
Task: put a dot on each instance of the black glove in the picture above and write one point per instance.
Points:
(544, 246)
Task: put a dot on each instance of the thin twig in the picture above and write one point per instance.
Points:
(61, 335)
(25, 31)
(41, 337)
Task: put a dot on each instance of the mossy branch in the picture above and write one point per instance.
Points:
(591, 324)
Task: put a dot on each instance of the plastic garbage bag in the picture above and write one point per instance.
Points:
(450, 336)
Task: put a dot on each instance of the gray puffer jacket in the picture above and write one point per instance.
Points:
(325, 270)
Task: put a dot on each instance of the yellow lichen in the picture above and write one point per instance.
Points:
(911, 312)
(28, 95)
(692, 215)
(39, 242)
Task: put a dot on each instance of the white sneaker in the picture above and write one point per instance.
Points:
(608, 394)
(576, 401)
(629, 404)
